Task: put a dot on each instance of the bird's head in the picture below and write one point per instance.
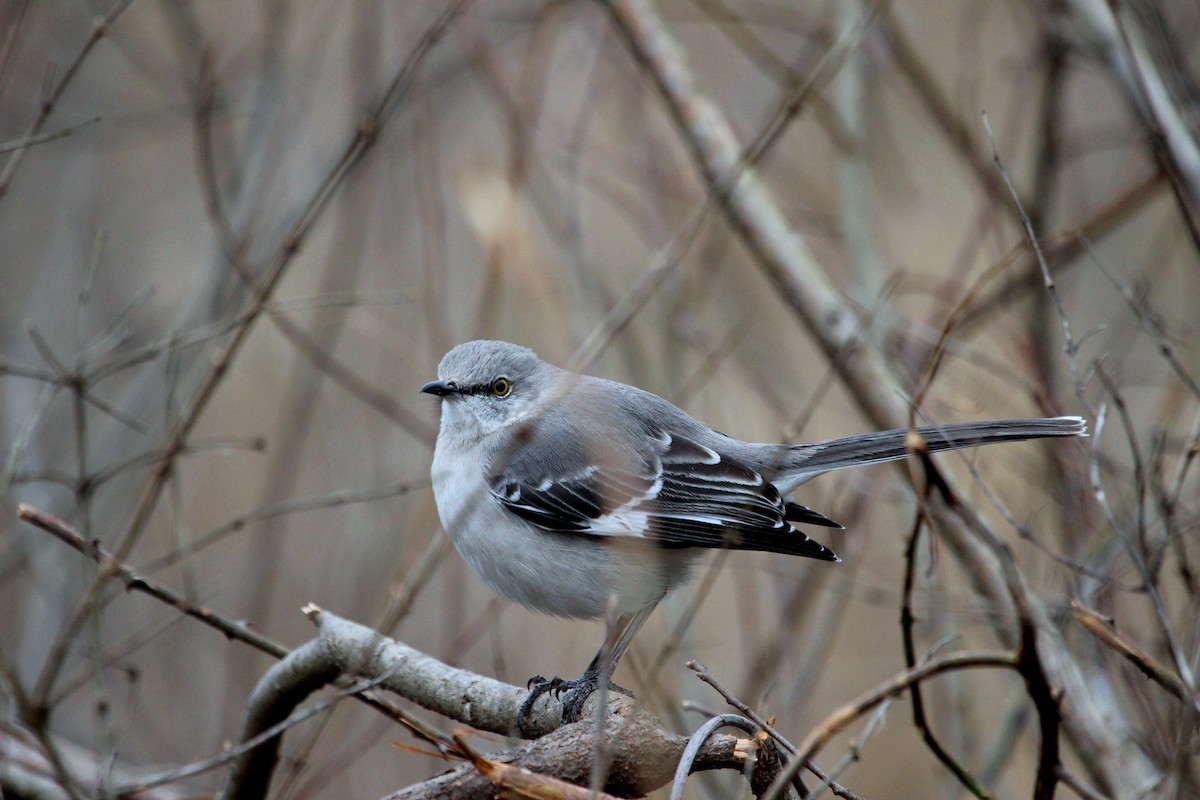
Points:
(487, 385)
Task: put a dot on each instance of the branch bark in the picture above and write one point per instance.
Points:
(641, 753)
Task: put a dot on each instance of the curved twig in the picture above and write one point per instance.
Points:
(697, 741)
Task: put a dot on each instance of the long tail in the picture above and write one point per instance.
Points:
(807, 461)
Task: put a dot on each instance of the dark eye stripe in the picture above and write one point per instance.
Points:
(486, 388)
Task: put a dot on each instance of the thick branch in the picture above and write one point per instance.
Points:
(642, 754)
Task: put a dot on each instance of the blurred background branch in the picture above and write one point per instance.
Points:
(783, 216)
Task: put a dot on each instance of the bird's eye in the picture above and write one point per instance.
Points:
(501, 387)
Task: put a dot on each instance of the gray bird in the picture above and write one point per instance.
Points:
(582, 497)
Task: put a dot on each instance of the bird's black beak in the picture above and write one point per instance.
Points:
(440, 388)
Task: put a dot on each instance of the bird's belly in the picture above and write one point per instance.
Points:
(564, 574)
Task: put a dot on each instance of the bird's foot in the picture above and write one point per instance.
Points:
(572, 693)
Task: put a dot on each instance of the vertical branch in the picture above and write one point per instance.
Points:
(749, 207)
(1173, 144)
(907, 622)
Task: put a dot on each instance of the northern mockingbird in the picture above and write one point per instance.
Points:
(583, 497)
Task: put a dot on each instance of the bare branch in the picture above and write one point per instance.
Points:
(115, 569)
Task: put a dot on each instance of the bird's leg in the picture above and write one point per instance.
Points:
(574, 693)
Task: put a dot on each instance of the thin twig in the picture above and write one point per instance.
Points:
(703, 674)
(42, 138)
(283, 508)
(101, 28)
(848, 713)
(1077, 785)
(907, 625)
(1106, 632)
(237, 751)
(136, 583)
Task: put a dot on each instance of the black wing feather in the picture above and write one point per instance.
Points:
(687, 496)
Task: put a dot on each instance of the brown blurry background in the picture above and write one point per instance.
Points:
(220, 196)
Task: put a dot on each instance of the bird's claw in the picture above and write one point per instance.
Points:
(572, 693)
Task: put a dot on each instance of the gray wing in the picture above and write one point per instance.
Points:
(681, 494)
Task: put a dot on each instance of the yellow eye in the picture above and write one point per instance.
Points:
(501, 387)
